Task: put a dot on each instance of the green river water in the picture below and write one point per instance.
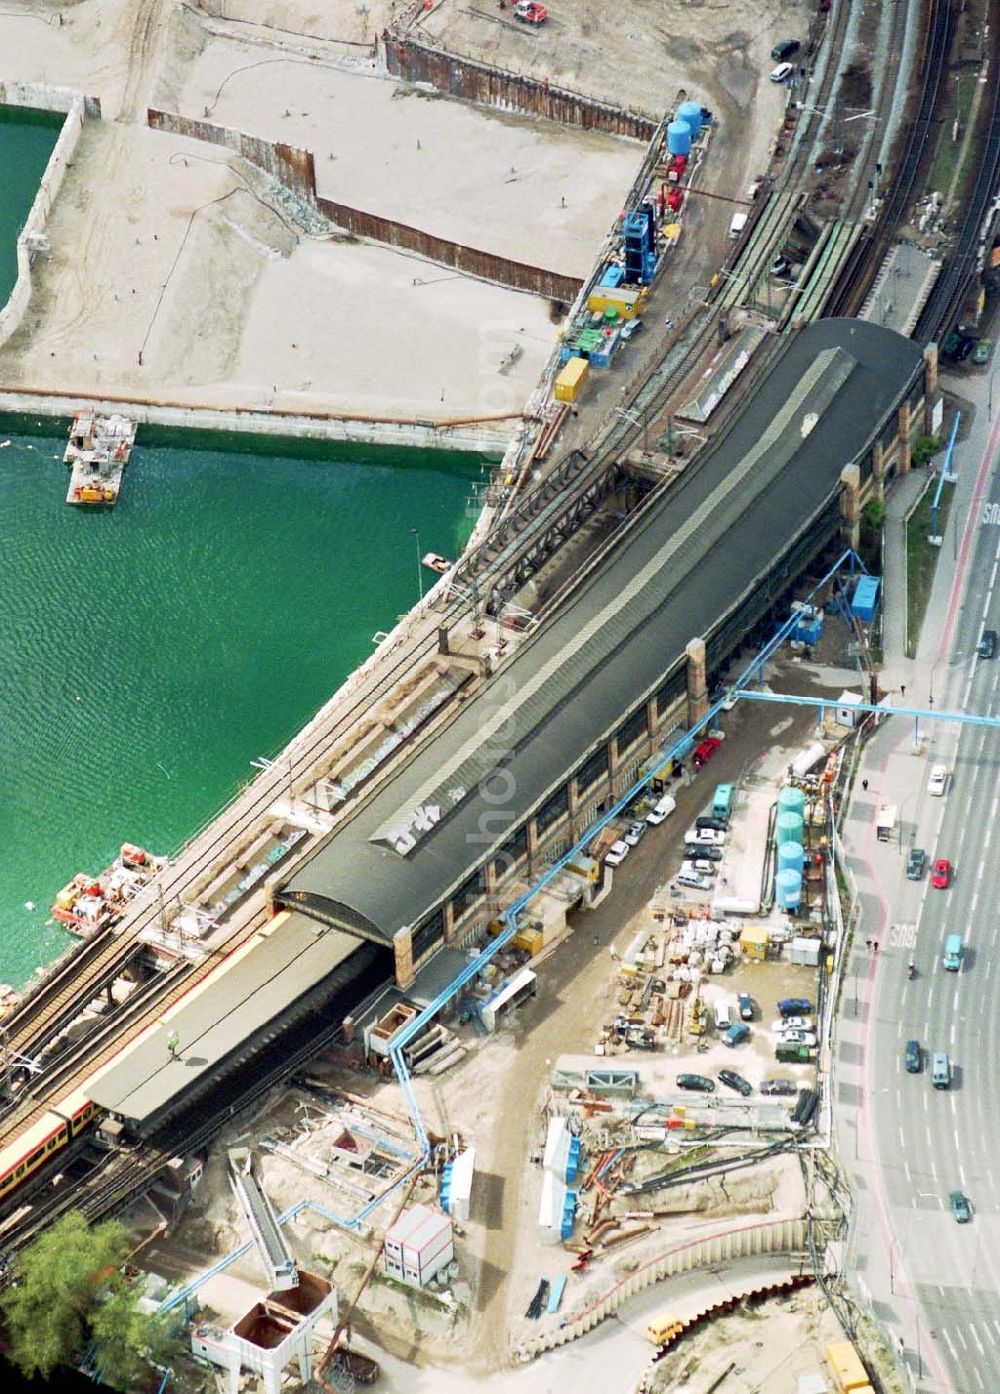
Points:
(149, 653)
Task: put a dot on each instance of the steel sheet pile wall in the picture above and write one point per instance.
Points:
(296, 168)
(471, 260)
(477, 82)
(291, 165)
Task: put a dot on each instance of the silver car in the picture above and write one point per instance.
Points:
(617, 853)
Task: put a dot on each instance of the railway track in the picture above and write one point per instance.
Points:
(871, 248)
(945, 301)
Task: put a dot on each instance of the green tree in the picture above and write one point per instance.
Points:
(69, 1296)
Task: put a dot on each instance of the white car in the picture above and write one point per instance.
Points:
(617, 853)
(634, 834)
(806, 1038)
(694, 880)
(938, 781)
(782, 72)
(707, 837)
(791, 1023)
(661, 810)
(699, 866)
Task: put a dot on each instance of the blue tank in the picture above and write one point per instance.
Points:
(788, 889)
(679, 138)
(690, 113)
(791, 856)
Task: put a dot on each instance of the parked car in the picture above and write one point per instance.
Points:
(795, 1006)
(530, 12)
(635, 834)
(745, 1003)
(700, 866)
(798, 1037)
(703, 850)
(942, 874)
(617, 853)
(966, 344)
(701, 1083)
(704, 752)
(938, 780)
(735, 1081)
(950, 346)
(711, 837)
(785, 49)
(630, 328)
(783, 1087)
(782, 72)
(981, 353)
(736, 1035)
(987, 646)
(710, 822)
(693, 880)
(792, 1023)
(913, 1058)
(960, 1207)
(916, 863)
(661, 810)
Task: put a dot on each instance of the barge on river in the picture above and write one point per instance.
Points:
(97, 452)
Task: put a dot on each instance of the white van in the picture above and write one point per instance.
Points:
(693, 880)
(782, 72)
(723, 1016)
(661, 810)
(736, 224)
(938, 781)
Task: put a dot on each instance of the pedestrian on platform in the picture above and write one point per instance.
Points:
(864, 785)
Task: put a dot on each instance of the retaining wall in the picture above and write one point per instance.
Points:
(748, 1241)
(296, 168)
(76, 106)
(470, 81)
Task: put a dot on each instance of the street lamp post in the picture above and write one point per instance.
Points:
(420, 567)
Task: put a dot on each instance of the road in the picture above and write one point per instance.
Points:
(936, 1284)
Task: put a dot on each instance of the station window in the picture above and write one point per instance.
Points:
(469, 892)
(426, 935)
(636, 726)
(668, 694)
(592, 769)
(512, 851)
(551, 810)
(35, 1157)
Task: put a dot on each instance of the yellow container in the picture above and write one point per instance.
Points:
(571, 379)
(68, 896)
(531, 941)
(849, 1375)
(663, 1327)
(629, 301)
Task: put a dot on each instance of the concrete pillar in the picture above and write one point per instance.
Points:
(905, 453)
(652, 720)
(402, 949)
(697, 680)
(532, 832)
(878, 466)
(930, 387)
(449, 926)
(850, 505)
(612, 760)
(572, 798)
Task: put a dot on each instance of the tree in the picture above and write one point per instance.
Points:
(69, 1297)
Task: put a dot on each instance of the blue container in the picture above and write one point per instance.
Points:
(788, 828)
(791, 800)
(865, 599)
(791, 855)
(613, 276)
(679, 138)
(690, 113)
(788, 890)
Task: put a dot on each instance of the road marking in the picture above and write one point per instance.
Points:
(906, 1168)
(958, 1145)
(951, 1041)
(996, 1325)
(951, 1343)
(961, 1337)
(991, 515)
(903, 935)
(975, 1371)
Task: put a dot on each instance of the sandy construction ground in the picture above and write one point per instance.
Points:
(522, 188)
(638, 54)
(232, 305)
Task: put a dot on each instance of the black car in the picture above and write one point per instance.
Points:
(737, 1082)
(695, 850)
(913, 1057)
(718, 825)
(785, 49)
(965, 346)
(786, 1087)
(916, 862)
(794, 1006)
(701, 1083)
(987, 646)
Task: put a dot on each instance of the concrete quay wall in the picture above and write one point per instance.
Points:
(77, 107)
(485, 437)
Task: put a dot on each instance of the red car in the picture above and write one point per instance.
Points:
(941, 875)
(705, 751)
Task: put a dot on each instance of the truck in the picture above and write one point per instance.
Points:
(885, 822)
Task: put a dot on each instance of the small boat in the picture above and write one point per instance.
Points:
(88, 903)
(435, 562)
(97, 452)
